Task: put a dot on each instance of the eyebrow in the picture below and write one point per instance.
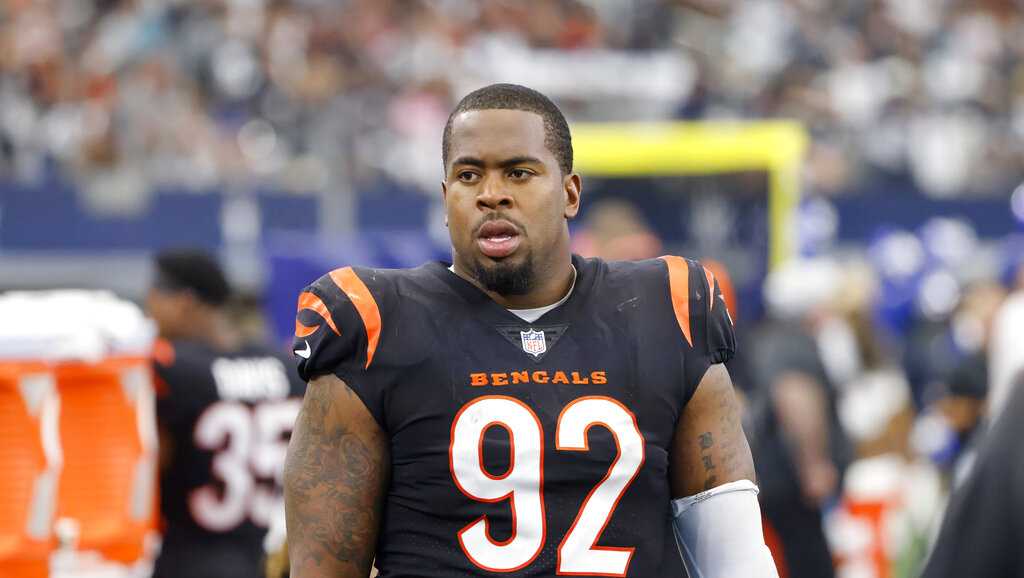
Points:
(518, 160)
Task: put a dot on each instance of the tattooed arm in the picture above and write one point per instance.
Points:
(335, 478)
(709, 448)
(719, 532)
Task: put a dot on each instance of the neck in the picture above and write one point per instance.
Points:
(217, 331)
(554, 279)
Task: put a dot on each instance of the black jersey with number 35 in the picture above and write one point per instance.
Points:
(228, 417)
(522, 449)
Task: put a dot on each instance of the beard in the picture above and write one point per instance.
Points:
(506, 278)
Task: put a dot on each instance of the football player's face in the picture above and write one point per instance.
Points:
(506, 199)
(169, 311)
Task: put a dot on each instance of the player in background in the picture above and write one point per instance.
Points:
(522, 411)
(225, 411)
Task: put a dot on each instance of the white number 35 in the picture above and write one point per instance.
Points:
(254, 442)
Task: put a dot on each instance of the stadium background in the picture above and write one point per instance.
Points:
(291, 137)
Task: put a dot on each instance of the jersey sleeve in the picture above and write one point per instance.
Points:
(180, 379)
(169, 411)
(707, 336)
(337, 331)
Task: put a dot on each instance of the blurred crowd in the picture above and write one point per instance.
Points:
(124, 96)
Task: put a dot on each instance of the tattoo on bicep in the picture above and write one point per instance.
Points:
(728, 420)
(707, 441)
(329, 469)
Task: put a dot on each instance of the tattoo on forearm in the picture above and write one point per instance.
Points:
(329, 469)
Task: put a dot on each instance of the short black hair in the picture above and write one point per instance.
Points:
(516, 97)
(192, 270)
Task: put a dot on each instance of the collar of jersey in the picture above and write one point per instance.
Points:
(538, 312)
(535, 313)
(475, 296)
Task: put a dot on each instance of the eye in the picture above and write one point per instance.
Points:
(519, 174)
(467, 176)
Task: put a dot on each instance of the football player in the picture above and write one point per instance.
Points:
(521, 411)
(225, 411)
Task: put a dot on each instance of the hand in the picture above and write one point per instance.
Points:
(818, 481)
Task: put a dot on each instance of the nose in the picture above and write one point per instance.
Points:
(493, 195)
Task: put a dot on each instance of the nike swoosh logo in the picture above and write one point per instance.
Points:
(304, 353)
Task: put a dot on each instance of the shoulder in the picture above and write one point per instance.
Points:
(680, 278)
(354, 295)
(358, 285)
(369, 288)
(686, 290)
(181, 358)
(183, 379)
(345, 318)
(613, 277)
(646, 270)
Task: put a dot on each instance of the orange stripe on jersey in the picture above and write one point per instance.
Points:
(679, 286)
(163, 352)
(347, 280)
(310, 301)
(711, 287)
(304, 330)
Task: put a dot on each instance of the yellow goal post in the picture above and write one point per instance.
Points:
(704, 148)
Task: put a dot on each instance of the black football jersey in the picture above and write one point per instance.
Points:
(229, 417)
(522, 449)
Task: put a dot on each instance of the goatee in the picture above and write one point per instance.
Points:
(506, 278)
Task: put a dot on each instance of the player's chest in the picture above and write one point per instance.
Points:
(547, 414)
(540, 371)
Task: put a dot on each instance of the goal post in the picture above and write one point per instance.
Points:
(704, 148)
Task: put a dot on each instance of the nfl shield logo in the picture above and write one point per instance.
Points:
(533, 342)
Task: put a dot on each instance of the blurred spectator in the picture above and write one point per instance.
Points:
(963, 390)
(614, 229)
(799, 446)
(246, 311)
(964, 403)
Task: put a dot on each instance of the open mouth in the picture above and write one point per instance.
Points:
(498, 239)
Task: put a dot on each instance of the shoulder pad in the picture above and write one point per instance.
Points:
(338, 325)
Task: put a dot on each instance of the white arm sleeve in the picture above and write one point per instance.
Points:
(719, 533)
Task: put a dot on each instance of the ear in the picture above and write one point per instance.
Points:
(444, 200)
(573, 186)
(188, 301)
